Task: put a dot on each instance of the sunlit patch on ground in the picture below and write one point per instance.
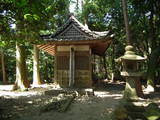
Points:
(6, 87)
(107, 94)
(53, 85)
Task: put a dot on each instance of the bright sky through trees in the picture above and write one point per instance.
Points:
(72, 7)
(73, 3)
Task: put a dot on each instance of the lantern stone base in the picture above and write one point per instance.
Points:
(133, 88)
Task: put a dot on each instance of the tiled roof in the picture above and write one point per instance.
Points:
(73, 30)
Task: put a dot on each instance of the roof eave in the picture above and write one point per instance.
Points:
(87, 40)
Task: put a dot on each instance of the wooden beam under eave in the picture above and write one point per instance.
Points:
(50, 52)
(50, 49)
(42, 47)
(98, 46)
(47, 48)
(45, 45)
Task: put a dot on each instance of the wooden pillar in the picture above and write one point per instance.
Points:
(90, 65)
(72, 67)
(55, 66)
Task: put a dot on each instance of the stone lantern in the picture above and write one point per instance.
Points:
(131, 64)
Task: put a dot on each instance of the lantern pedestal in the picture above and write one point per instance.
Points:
(133, 88)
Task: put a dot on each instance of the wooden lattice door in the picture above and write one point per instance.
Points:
(63, 70)
(82, 69)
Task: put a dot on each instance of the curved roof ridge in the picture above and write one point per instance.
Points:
(80, 24)
(87, 33)
(101, 33)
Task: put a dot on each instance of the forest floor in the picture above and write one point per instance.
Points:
(31, 104)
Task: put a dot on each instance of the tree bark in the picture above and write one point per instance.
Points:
(21, 72)
(46, 76)
(4, 74)
(36, 75)
(125, 13)
(105, 67)
(113, 63)
(132, 88)
(77, 6)
(152, 60)
(152, 69)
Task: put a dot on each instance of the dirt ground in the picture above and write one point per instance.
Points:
(28, 105)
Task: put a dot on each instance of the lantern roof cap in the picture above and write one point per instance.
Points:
(130, 55)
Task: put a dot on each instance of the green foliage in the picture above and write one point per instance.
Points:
(94, 13)
(101, 15)
(10, 62)
(144, 20)
(32, 18)
(29, 18)
(3, 43)
(46, 67)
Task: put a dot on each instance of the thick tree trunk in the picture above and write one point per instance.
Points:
(36, 75)
(21, 72)
(4, 74)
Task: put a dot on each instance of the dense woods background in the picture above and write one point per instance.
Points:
(22, 22)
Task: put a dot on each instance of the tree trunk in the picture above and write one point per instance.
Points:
(4, 74)
(154, 52)
(77, 6)
(105, 67)
(132, 88)
(46, 78)
(125, 13)
(21, 72)
(113, 63)
(36, 75)
(152, 69)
